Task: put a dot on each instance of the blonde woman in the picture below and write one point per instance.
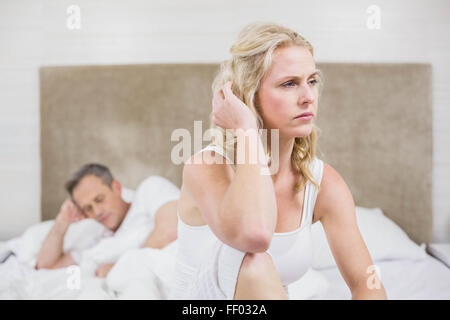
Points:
(246, 235)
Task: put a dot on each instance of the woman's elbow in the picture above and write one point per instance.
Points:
(257, 241)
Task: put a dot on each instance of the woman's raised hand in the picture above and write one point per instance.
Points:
(229, 112)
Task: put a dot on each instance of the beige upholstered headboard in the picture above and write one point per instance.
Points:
(375, 122)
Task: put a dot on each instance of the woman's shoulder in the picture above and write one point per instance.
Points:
(332, 192)
(206, 168)
(330, 176)
(212, 157)
(202, 183)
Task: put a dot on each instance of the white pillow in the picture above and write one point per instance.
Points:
(384, 239)
(128, 194)
(80, 235)
(26, 246)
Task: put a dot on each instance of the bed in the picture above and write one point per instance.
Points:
(425, 279)
(123, 116)
(406, 270)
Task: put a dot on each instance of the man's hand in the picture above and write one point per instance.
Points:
(68, 214)
(103, 270)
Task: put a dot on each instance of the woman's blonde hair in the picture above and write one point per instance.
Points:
(250, 62)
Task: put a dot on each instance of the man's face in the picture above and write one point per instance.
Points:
(99, 201)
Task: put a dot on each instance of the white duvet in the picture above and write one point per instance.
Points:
(20, 280)
(145, 273)
(425, 279)
(139, 273)
(91, 245)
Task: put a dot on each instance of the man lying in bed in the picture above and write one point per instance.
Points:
(95, 194)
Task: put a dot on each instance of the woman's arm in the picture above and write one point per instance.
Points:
(239, 207)
(336, 210)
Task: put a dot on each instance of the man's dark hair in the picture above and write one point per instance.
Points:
(89, 169)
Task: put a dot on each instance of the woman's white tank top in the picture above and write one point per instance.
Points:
(290, 251)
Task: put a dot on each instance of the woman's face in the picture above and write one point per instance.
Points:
(288, 90)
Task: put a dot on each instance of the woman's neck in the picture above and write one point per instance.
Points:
(285, 147)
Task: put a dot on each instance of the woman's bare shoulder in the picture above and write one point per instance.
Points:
(333, 191)
(207, 165)
(203, 187)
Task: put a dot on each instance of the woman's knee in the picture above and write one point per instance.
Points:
(258, 278)
(256, 264)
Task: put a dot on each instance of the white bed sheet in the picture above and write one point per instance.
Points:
(403, 280)
(427, 279)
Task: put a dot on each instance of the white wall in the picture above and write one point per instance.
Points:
(34, 33)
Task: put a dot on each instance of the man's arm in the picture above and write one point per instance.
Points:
(51, 255)
(52, 249)
(165, 230)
